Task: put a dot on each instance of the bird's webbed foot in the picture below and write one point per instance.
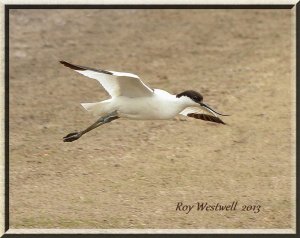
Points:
(72, 136)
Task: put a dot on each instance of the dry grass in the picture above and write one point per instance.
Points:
(131, 174)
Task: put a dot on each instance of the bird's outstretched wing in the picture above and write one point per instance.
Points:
(115, 83)
(201, 114)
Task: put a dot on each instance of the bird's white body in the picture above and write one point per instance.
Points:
(160, 106)
(132, 99)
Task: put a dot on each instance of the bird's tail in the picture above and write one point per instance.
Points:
(97, 108)
(90, 106)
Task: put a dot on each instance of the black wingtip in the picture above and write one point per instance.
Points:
(63, 62)
(206, 117)
(82, 68)
(71, 66)
(218, 120)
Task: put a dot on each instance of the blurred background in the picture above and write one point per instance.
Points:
(132, 174)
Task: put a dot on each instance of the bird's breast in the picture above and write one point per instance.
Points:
(150, 108)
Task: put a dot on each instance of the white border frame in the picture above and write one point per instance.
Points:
(142, 231)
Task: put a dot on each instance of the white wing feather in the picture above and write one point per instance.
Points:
(115, 83)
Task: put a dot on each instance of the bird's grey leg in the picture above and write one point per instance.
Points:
(102, 120)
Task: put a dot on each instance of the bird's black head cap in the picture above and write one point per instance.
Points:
(195, 96)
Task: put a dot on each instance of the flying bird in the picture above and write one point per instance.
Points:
(132, 99)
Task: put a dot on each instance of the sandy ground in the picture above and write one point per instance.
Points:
(132, 174)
